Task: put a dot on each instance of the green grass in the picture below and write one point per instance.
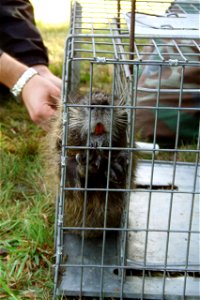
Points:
(26, 212)
(26, 208)
(54, 37)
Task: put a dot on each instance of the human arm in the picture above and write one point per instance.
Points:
(20, 39)
(39, 95)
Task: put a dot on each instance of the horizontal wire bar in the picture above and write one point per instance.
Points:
(135, 107)
(145, 44)
(113, 61)
(144, 190)
(127, 229)
(127, 267)
(152, 150)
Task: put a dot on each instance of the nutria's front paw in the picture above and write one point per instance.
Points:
(118, 168)
(93, 161)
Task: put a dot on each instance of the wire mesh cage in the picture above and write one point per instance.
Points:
(127, 220)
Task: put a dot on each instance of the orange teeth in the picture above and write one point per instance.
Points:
(99, 129)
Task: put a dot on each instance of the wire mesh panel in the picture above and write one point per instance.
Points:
(127, 223)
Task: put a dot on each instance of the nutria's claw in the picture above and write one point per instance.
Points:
(78, 158)
(97, 161)
(93, 161)
(119, 167)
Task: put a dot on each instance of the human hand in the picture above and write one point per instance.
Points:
(46, 73)
(41, 98)
(40, 94)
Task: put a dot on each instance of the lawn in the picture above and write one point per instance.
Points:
(26, 208)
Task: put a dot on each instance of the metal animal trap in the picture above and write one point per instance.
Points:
(154, 253)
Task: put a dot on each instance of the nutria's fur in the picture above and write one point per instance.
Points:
(96, 123)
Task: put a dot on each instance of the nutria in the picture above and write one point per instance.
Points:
(97, 128)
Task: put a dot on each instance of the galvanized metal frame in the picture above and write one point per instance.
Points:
(108, 43)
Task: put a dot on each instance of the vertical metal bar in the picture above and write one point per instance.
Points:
(123, 240)
(107, 187)
(131, 143)
(151, 180)
(76, 7)
(74, 30)
(118, 13)
(93, 39)
(197, 46)
(57, 262)
(179, 50)
(139, 57)
(194, 7)
(86, 182)
(132, 32)
(157, 49)
(112, 32)
(73, 27)
(173, 177)
(191, 212)
(134, 90)
(182, 9)
(59, 217)
(120, 47)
